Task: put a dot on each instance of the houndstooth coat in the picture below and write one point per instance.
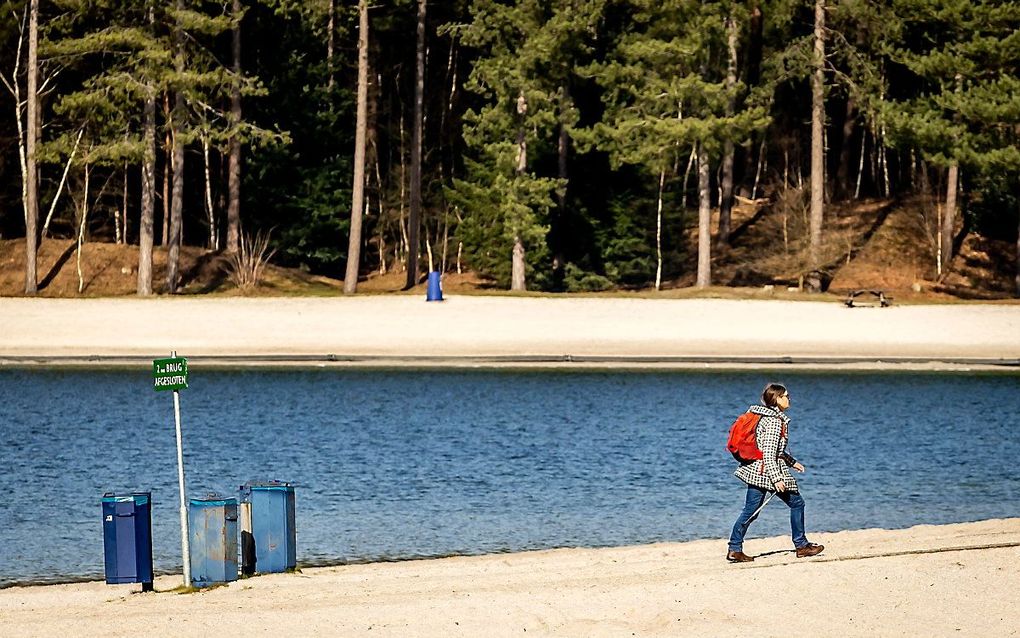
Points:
(772, 436)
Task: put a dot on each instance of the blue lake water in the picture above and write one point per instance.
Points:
(395, 464)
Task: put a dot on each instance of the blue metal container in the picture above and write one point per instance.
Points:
(434, 291)
(127, 538)
(271, 529)
(212, 532)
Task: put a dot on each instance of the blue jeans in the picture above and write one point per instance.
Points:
(755, 497)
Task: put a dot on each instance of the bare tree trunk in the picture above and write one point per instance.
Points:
(145, 230)
(817, 141)
(763, 162)
(752, 77)
(175, 227)
(416, 134)
(563, 149)
(63, 180)
(726, 188)
(222, 179)
(124, 216)
(704, 220)
(446, 239)
(428, 248)
(518, 272)
(331, 28)
(14, 86)
(873, 163)
(168, 168)
(361, 126)
(397, 257)
(843, 170)
(725, 197)
(451, 73)
(860, 164)
(31, 140)
(885, 162)
(209, 210)
(177, 205)
(522, 141)
(120, 216)
(234, 150)
(518, 277)
(949, 217)
(658, 231)
(81, 230)
(687, 175)
(1017, 277)
(379, 202)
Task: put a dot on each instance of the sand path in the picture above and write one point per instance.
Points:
(540, 328)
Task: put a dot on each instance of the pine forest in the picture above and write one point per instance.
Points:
(556, 145)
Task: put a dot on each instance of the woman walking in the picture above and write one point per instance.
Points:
(771, 473)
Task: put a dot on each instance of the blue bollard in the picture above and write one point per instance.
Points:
(435, 291)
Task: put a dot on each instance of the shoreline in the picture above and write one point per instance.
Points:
(167, 578)
(539, 362)
(866, 582)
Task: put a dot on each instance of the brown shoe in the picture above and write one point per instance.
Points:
(810, 549)
(738, 557)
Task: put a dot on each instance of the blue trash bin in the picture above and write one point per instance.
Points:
(127, 538)
(434, 291)
(267, 527)
(212, 531)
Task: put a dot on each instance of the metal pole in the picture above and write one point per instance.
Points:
(765, 502)
(185, 548)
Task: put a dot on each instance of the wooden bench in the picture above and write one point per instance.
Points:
(851, 298)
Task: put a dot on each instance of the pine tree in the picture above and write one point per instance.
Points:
(126, 56)
(666, 90)
(111, 114)
(962, 61)
(528, 51)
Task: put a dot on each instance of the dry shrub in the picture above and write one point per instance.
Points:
(246, 266)
(782, 246)
(793, 207)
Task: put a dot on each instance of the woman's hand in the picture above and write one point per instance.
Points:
(798, 467)
(780, 486)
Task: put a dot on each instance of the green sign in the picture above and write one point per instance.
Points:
(170, 374)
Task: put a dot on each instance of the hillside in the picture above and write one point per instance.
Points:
(878, 244)
(111, 270)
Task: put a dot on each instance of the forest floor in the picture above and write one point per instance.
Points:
(875, 245)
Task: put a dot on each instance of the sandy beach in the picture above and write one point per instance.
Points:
(505, 330)
(945, 580)
(950, 580)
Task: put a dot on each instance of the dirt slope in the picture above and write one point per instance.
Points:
(883, 245)
(876, 244)
(111, 270)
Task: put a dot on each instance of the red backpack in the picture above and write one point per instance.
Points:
(742, 443)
